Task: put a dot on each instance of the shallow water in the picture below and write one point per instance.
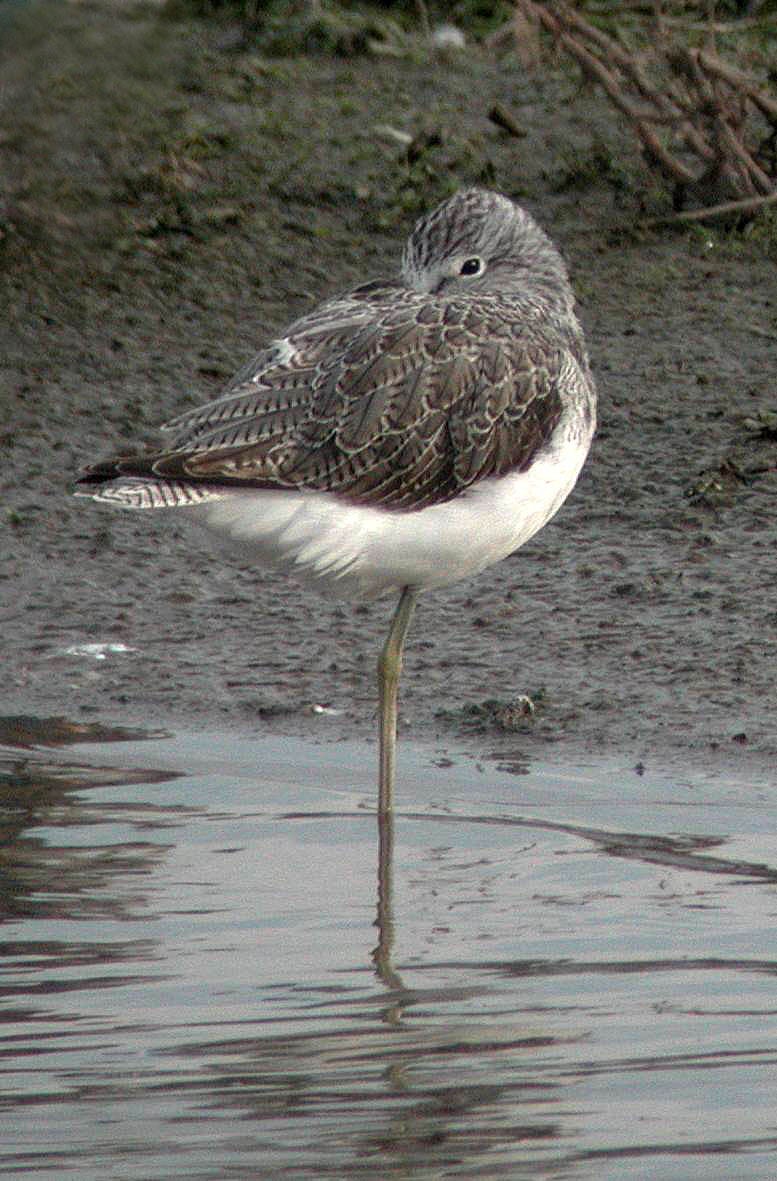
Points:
(208, 971)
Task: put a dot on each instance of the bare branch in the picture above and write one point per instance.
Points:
(724, 209)
(684, 104)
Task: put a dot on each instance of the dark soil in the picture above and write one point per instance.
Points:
(171, 197)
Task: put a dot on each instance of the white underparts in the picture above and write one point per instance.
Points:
(354, 551)
(361, 552)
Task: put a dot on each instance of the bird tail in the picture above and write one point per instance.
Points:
(108, 483)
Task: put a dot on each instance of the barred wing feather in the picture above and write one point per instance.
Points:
(384, 397)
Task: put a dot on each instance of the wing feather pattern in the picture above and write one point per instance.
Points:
(384, 397)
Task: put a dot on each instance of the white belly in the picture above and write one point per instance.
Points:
(356, 552)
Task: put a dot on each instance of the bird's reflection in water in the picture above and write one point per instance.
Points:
(384, 920)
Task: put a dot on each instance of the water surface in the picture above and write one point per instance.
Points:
(213, 965)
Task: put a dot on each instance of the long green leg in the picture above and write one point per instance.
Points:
(389, 669)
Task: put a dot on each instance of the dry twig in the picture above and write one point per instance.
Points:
(698, 118)
(710, 212)
(502, 117)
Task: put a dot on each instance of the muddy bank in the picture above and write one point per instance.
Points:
(170, 206)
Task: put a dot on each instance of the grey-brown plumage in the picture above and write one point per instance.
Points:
(399, 394)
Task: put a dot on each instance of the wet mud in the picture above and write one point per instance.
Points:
(167, 210)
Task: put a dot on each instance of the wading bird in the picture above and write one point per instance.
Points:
(398, 438)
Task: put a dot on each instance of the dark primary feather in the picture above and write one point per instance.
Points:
(385, 397)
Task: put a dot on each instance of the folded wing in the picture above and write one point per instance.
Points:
(382, 397)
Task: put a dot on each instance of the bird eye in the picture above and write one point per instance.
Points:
(472, 266)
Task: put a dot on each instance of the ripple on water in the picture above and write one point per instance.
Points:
(214, 965)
